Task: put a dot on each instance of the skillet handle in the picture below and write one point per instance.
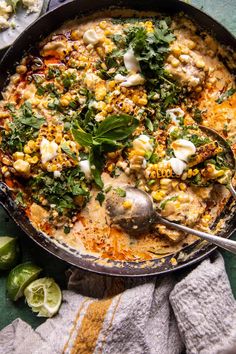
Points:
(3, 193)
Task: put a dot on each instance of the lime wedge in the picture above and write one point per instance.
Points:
(44, 296)
(9, 252)
(19, 277)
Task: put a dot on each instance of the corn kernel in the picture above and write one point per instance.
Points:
(6, 161)
(158, 196)
(153, 175)
(110, 167)
(182, 186)
(33, 160)
(127, 204)
(64, 102)
(103, 24)
(18, 155)
(184, 58)
(142, 101)
(190, 173)
(111, 84)
(176, 50)
(191, 44)
(198, 89)
(200, 64)
(21, 166)
(175, 63)
(195, 171)
(4, 169)
(27, 149)
(165, 181)
(100, 92)
(21, 69)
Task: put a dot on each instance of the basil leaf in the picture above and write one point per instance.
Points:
(96, 163)
(100, 197)
(116, 127)
(33, 121)
(68, 151)
(83, 138)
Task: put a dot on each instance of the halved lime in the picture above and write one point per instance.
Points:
(44, 296)
(19, 277)
(9, 252)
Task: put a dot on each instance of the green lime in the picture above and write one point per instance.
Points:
(19, 277)
(9, 252)
(44, 296)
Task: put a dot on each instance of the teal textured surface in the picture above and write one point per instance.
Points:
(224, 12)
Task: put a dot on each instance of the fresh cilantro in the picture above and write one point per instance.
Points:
(61, 191)
(68, 79)
(24, 126)
(197, 115)
(53, 71)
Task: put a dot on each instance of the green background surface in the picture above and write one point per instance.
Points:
(224, 12)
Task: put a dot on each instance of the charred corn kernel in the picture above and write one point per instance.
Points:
(204, 152)
(195, 171)
(76, 34)
(33, 160)
(100, 51)
(32, 144)
(103, 24)
(206, 217)
(108, 108)
(200, 64)
(182, 186)
(21, 69)
(110, 167)
(175, 63)
(176, 50)
(153, 175)
(165, 172)
(27, 149)
(127, 204)
(142, 101)
(6, 161)
(18, 155)
(158, 196)
(64, 102)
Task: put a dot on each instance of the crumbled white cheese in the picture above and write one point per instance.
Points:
(91, 37)
(56, 174)
(32, 5)
(5, 12)
(91, 80)
(144, 143)
(183, 149)
(130, 61)
(48, 150)
(85, 168)
(133, 80)
(120, 78)
(175, 114)
(177, 165)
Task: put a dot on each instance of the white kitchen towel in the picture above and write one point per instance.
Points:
(157, 315)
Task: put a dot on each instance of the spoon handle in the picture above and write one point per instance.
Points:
(228, 245)
(232, 190)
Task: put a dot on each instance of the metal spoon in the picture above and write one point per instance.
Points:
(140, 216)
(229, 154)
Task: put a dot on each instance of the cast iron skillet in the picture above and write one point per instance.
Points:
(44, 26)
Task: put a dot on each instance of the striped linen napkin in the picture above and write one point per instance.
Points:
(157, 315)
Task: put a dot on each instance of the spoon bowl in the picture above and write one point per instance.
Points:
(134, 212)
